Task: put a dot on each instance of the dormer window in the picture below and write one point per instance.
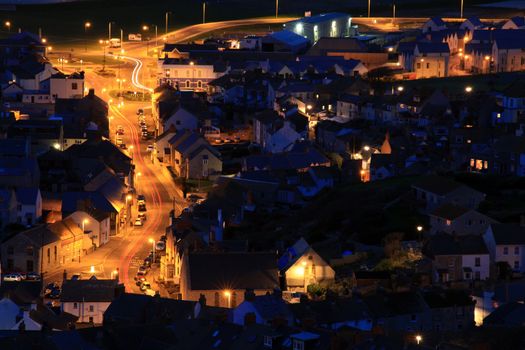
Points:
(268, 340)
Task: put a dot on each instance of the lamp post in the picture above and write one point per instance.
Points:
(167, 23)
(369, 8)
(204, 12)
(131, 152)
(192, 64)
(145, 28)
(128, 210)
(139, 174)
(109, 30)
(152, 241)
(419, 230)
(8, 25)
(461, 9)
(419, 339)
(87, 25)
(276, 8)
(104, 43)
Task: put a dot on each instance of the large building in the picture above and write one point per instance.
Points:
(333, 25)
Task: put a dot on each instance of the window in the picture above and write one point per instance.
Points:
(477, 262)
(428, 65)
(478, 275)
(48, 255)
(505, 250)
(268, 341)
(10, 264)
(10, 250)
(74, 86)
(516, 250)
(75, 306)
(216, 302)
(91, 308)
(418, 65)
(199, 84)
(29, 251)
(188, 83)
(177, 122)
(90, 319)
(516, 264)
(55, 253)
(413, 318)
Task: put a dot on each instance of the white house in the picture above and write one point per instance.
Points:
(66, 85)
(506, 243)
(181, 119)
(471, 24)
(280, 140)
(30, 75)
(29, 208)
(188, 75)
(89, 299)
(431, 60)
(301, 266)
(517, 22)
(263, 309)
(508, 52)
(454, 219)
(96, 225)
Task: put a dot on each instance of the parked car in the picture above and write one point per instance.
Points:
(138, 222)
(120, 130)
(140, 277)
(142, 207)
(32, 276)
(145, 285)
(50, 287)
(143, 268)
(75, 277)
(150, 292)
(123, 146)
(160, 245)
(140, 111)
(13, 277)
(141, 199)
(142, 216)
(55, 294)
(150, 148)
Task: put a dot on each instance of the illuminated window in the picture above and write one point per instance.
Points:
(485, 165)
(472, 162)
(479, 164)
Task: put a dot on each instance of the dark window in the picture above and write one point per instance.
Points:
(516, 250)
(10, 264)
(74, 86)
(478, 262)
(29, 251)
(505, 250)
(48, 255)
(75, 306)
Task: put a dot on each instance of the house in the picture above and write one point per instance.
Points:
(193, 157)
(224, 277)
(452, 310)
(517, 22)
(8, 207)
(508, 51)
(181, 119)
(471, 24)
(38, 249)
(348, 106)
(11, 317)
(333, 25)
(88, 299)
(301, 266)
(513, 102)
(263, 309)
(333, 314)
(431, 60)
(399, 312)
(162, 149)
(433, 191)
(193, 75)
(30, 74)
(284, 40)
(95, 224)
(67, 86)
(29, 205)
(506, 243)
(456, 220)
(434, 24)
(458, 258)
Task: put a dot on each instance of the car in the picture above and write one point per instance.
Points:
(150, 292)
(145, 285)
(55, 294)
(160, 245)
(123, 146)
(119, 141)
(75, 277)
(120, 130)
(141, 199)
(140, 277)
(140, 111)
(32, 276)
(147, 262)
(142, 207)
(13, 277)
(137, 222)
(145, 136)
(144, 268)
(163, 238)
(150, 148)
(142, 216)
(50, 287)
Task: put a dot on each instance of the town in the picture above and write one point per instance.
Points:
(317, 182)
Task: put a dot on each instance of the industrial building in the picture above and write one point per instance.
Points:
(333, 25)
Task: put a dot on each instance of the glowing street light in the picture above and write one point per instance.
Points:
(419, 339)
(56, 146)
(92, 269)
(400, 88)
(84, 222)
(419, 228)
(8, 25)
(366, 148)
(228, 295)
(87, 25)
(468, 89)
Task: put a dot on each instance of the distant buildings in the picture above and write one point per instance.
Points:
(333, 25)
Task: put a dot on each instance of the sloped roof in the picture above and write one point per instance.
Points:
(438, 185)
(433, 47)
(90, 290)
(449, 211)
(270, 306)
(508, 234)
(510, 314)
(445, 244)
(223, 271)
(287, 37)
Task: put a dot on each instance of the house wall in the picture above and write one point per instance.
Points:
(451, 263)
(161, 145)
(471, 222)
(188, 77)
(508, 60)
(198, 167)
(16, 258)
(67, 88)
(513, 254)
(430, 66)
(212, 296)
(451, 319)
(9, 212)
(181, 120)
(347, 109)
(30, 214)
(83, 310)
(308, 271)
(484, 265)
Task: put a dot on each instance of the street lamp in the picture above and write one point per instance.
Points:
(461, 10)
(167, 16)
(368, 8)
(468, 89)
(139, 174)
(366, 148)
(204, 11)
(131, 152)
(419, 339)
(104, 43)
(152, 241)
(228, 295)
(8, 25)
(276, 8)
(87, 25)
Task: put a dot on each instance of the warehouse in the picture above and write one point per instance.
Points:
(333, 25)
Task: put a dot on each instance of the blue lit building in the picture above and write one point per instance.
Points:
(333, 25)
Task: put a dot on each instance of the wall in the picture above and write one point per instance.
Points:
(67, 88)
(83, 313)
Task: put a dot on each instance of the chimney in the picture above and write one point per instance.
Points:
(249, 295)
(64, 275)
(91, 93)
(202, 300)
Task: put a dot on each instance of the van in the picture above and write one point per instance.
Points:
(114, 42)
(119, 141)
